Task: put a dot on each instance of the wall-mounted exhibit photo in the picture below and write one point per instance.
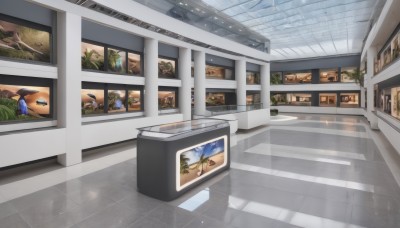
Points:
(215, 72)
(252, 78)
(215, 99)
(19, 102)
(297, 78)
(299, 99)
(346, 73)
(395, 92)
(276, 78)
(278, 99)
(349, 100)
(389, 53)
(166, 99)
(92, 56)
(116, 61)
(134, 64)
(166, 68)
(328, 75)
(92, 101)
(116, 101)
(254, 98)
(134, 100)
(199, 161)
(23, 42)
(327, 99)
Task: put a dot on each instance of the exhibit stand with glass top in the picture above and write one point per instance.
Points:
(174, 158)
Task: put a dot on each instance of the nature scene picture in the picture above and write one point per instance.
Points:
(134, 64)
(201, 160)
(17, 41)
(116, 101)
(166, 68)
(116, 61)
(92, 56)
(24, 102)
(92, 101)
(134, 103)
(166, 99)
(215, 72)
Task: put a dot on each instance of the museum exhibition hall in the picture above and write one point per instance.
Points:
(280, 113)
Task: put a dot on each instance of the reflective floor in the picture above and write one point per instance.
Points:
(316, 171)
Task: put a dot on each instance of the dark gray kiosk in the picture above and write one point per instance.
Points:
(173, 158)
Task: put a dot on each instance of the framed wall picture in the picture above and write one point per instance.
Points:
(20, 39)
(166, 68)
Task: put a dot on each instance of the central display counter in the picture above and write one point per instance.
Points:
(174, 158)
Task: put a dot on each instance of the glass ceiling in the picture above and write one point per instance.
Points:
(296, 28)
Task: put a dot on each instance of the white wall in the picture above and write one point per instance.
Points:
(320, 110)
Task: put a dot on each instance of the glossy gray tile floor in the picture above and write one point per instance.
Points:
(269, 185)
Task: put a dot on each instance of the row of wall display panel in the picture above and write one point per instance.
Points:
(26, 99)
(315, 76)
(387, 99)
(321, 99)
(101, 99)
(390, 52)
(102, 57)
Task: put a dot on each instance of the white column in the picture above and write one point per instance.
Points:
(240, 76)
(265, 85)
(362, 93)
(372, 118)
(184, 67)
(69, 85)
(199, 82)
(151, 77)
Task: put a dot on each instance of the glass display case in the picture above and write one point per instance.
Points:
(173, 158)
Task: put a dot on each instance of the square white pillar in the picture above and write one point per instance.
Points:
(151, 77)
(185, 91)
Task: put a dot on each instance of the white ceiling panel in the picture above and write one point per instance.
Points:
(295, 28)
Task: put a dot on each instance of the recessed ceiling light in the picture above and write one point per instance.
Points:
(230, 26)
(180, 3)
(215, 18)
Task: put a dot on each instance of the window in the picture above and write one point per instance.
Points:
(349, 100)
(276, 78)
(328, 75)
(327, 99)
(253, 98)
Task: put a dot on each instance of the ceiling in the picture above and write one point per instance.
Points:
(288, 29)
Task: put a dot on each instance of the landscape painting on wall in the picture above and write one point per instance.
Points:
(346, 73)
(166, 68)
(24, 102)
(166, 99)
(134, 103)
(116, 101)
(199, 161)
(295, 78)
(328, 75)
(20, 42)
(215, 72)
(327, 100)
(396, 46)
(92, 101)
(134, 64)
(116, 60)
(92, 56)
(214, 99)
